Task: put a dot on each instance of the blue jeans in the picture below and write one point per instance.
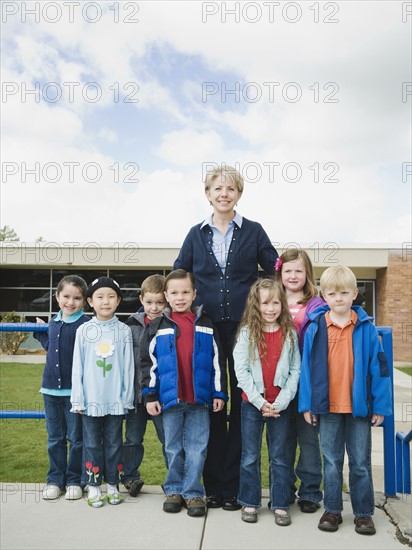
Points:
(133, 449)
(250, 489)
(63, 427)
(309, 466)
(337, 431)
(103, 448)
(186, 428)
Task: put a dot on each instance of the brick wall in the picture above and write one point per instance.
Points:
(394, 302)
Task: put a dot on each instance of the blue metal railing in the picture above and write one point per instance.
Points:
(403, 463)
(23, 327)
(22, 414)
(388, 424)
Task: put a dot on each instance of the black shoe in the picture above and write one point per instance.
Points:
(231, 504)
(308, 507)
(134, 487)
(213, 501)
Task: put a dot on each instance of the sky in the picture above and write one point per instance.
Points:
(112, 112)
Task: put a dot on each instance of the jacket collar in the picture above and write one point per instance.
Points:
(321, 310)
(208, 222)
(197, 310)
(71, 318)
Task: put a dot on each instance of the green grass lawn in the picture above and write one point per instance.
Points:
(406, 370)
(23, 442)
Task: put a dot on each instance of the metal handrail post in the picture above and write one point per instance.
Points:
(389, 422)
(403, 463)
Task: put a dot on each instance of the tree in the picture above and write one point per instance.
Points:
(10, 341)
(8, 234)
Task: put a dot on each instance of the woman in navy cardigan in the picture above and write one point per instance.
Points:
(224, 253)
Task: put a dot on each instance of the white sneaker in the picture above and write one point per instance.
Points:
(51, 492)
(73, 492)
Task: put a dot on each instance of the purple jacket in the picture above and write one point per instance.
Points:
(313, 303)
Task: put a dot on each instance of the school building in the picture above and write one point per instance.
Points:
(30, 273)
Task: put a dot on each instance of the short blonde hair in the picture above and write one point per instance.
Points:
(338, 277)
(224, 171)
(155, 284)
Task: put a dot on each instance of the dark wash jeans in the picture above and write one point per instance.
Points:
(64, 441)
(133, 448)
(103, 449)
(338, 431)
(250, 491)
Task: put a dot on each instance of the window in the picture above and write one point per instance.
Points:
(31, 292)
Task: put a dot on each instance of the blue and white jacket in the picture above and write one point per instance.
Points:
(159, 362)
(371, 388)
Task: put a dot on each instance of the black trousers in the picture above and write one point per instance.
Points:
(221, 470)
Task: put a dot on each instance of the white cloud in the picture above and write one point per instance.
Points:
(108, 135)
(188, 147)
(363, 60)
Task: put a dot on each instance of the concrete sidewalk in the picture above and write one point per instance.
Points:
(28, 522)
(398, 509)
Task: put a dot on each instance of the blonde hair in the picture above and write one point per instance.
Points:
(154, 284)
(224, 171)
(294, 254)
(338, 277)
(252, 317)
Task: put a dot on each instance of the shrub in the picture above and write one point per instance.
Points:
(10, 341)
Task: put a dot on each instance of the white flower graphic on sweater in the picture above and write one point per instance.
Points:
(104, 349)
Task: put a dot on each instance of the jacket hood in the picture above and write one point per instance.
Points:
(139, 316)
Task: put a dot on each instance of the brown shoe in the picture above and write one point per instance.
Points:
(364, 526)
(196, 507)
(330, 522)
(173, 504)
